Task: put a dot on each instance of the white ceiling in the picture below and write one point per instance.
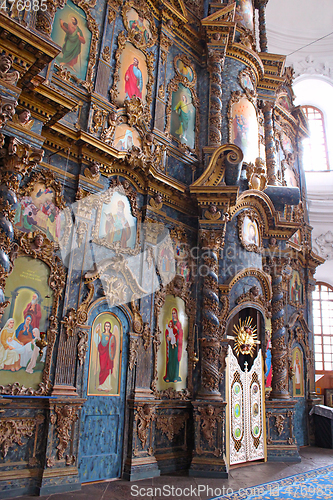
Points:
(293, 24)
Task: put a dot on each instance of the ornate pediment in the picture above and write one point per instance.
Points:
(220, 16)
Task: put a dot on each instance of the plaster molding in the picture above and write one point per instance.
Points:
(324, 244)
(310, 65)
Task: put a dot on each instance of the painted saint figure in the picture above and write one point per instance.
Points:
(138, 26)
(9, 358)
(133, 80)
(33, 309)
(117, 228)
(73, 40)
(24, 331)
(183, 110)
(106, 351)
(174, 346)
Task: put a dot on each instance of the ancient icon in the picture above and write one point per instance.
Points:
(133, 75)
(184, 70)
(172, 357)
(126, 137)
(25, 319)
(117, 226)
(70, 31)
(37, 211)
(183, 116)
(138, 26)
(250, 232)
(298, 378)
(295, 289)
(244, 128)
(244, 13)
(105, 356)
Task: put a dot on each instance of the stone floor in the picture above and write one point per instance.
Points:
(245, 476)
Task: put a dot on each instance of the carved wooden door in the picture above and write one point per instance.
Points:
(246, 410)
(102, 416)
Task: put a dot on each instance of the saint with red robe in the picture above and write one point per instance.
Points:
(133, 80)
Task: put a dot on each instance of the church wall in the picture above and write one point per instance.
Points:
(189, 258)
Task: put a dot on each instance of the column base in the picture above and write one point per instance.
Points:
(281, 441)
(140, 468)
(208, 467)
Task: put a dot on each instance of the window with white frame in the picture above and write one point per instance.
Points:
(315, 155)
(323, 327)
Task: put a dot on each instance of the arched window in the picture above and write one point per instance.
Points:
(315, 155)
(323, 327)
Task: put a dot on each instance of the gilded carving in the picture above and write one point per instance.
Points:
(165, 44)
(7, 111)
(7, 76)
(66, 416)
(82, 346)
(146, 336)
(144, 416)
(256, 175)
(106, 54)
(209, 417)
(107, 134)
(279, 423)
(70, 322)
(133, 352)
(13, 430)
(253, 295)
(171, 425)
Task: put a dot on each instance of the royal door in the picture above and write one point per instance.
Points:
(246, 410)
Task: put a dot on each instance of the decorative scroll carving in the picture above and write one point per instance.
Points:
(13, 430)
(82, 346)
(253, 295)
(170, 425)
(146, 336)
(82, 311)
(256, 175)
(108, 132)
(18, 158)
(106, 54)
(133, 352)
(144, 416)
(137, 318)
(165, 44)
(66, 417)
(209, 417)
(279, 423)
(70, 322)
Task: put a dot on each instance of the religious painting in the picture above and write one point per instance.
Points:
(296, 238)
(286, 144)
(247, 81)
(105, 356)
(295, 289)
(182, 254)
(184, 69)
(133, 74)
(22, 355)
(244, 13)
(38, 211)
(250, 232)
(285, 102)
(268, 361)
(298, 377)
(172, 354)
(183, 116)
(116, 226)
(243, 130)
(71, 32)
(138, 27)
(126, 137)
(166, 261)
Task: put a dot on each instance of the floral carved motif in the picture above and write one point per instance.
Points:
(170, 425)
(133, 352)
(13, 430)
(82, 346)
(66, 417)
(144, 417)
(279, 423)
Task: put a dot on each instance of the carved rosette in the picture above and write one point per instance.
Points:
(215, 67)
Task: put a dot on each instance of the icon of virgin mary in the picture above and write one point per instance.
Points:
(174, 347)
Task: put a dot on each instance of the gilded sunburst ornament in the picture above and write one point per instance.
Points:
(245, 336)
